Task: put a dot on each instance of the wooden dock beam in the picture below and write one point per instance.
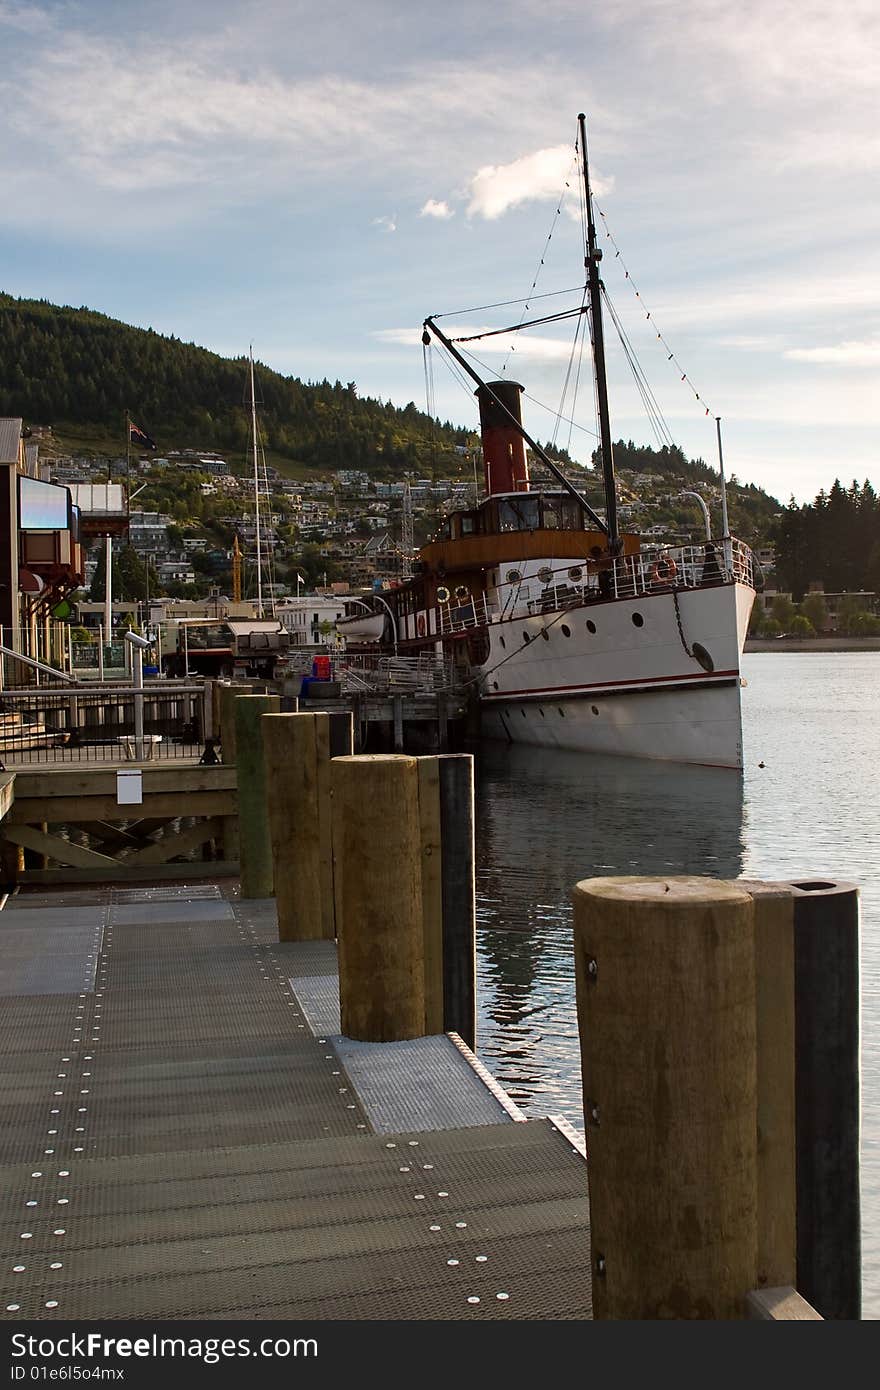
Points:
(253, 818)
(297, 749)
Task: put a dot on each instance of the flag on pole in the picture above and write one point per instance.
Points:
(138, 436)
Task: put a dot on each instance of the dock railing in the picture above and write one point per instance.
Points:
(87, 724)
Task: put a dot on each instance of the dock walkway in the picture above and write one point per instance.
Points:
(185, 1135)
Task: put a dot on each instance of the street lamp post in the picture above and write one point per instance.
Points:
(705, 510)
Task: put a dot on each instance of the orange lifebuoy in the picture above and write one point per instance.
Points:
(420, 624)
(663, 571)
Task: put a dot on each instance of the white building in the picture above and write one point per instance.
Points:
(302, 617)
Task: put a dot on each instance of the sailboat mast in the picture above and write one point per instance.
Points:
(594, 256)
(256, 492)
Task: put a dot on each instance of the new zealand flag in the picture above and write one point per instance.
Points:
(137, 436)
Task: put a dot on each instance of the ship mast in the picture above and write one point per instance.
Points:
(256, 492)
(594, 286)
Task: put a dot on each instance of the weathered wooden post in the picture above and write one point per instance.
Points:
(297, 749)
(827, 1031)
(253, 818)
(226, 698)
(665, 973)
(377, 841)
(404, 878)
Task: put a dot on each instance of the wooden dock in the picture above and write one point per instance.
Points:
(185, 1136)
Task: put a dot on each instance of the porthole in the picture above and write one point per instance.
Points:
(503, 643)
(594, 708)
(638, 620)
(513, 576)
(526, 638)
(541, 712)
(565, 630)
(523, 713)
(545, 574)
(462, 593)
(545, 634)
(494, 685)
(591, 626)
(443, 594)
(561, 712)
(575, 574)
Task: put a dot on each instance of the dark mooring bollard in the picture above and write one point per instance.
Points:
(826, 949)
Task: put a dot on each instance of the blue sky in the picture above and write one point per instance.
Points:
(318, 183)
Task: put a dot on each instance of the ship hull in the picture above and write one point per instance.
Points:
(656, 676)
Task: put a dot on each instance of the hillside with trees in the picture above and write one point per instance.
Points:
(79, 371)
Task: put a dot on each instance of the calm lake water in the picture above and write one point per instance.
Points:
(545, 820)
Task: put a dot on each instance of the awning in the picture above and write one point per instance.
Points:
(30, 583)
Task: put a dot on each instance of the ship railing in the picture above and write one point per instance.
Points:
(474, 611)
(654, 569)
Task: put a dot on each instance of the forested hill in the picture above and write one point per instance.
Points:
(79, 371)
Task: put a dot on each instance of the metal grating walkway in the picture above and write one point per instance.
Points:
(176, 1143)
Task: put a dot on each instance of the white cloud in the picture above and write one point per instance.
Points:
(496, 188)
(441, 210)
(847, 354)
(389, 223)
(26, 18)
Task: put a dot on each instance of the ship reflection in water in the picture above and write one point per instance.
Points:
(544, 820)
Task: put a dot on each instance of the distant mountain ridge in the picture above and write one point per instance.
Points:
(79, 371)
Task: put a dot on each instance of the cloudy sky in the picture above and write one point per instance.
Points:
(318, 182)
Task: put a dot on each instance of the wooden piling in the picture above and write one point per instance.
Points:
(253, 819)
(665, 974)
(223, 701)
(826, 947)
(397, 709)
(775, 1096)
(226, 696)
(377, 841)
(456, 786)
(297, 751)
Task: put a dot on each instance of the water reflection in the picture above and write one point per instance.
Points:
(544, 820)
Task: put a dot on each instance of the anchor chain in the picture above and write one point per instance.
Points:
(688, 650)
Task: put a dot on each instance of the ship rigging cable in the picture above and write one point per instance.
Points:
(662, 432)
(670, 355)
(543, 255)
(505, 303)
